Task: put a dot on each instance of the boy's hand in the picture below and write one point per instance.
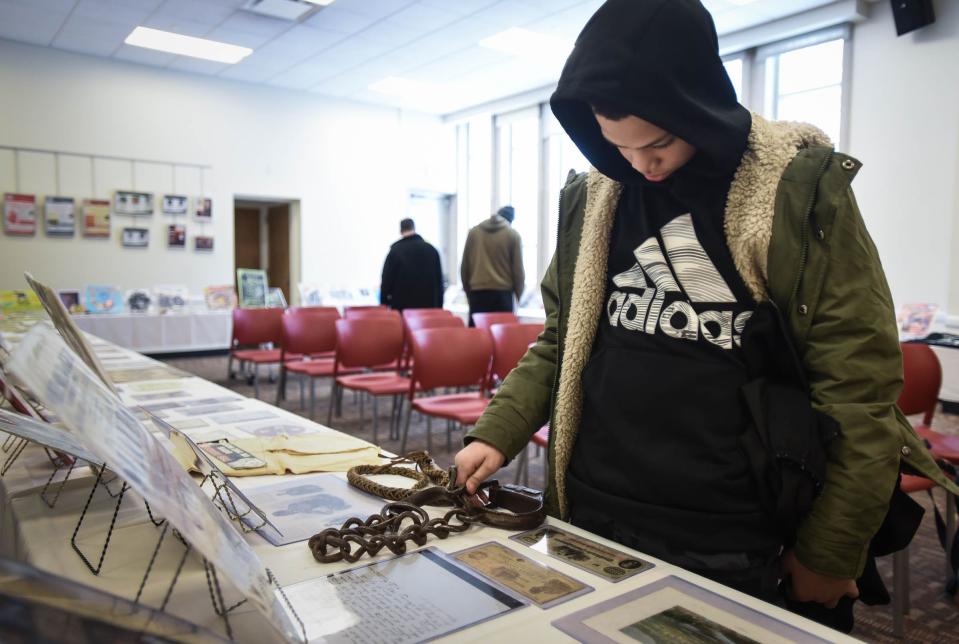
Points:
(809, 586)
(475, 463)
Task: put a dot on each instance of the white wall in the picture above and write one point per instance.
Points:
(904, 127)
(351, 166)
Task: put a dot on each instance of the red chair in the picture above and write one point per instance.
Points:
(255, 328)
(510, 344)
(309, 310)
(414, 313)
(448, 357)
(922, 379)
(353, 314)
(365, 307)
(367, 344)
(306, 335)
(434, 322)
(486, 320)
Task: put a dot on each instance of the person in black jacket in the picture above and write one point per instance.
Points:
(412, 274)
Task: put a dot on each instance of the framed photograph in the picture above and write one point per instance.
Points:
(102, 299)
(176, 205)
(220, 298)
(204, 209)
(675, 610)
(19, 302)
(170, 297)
(71, 301)
(203, 244)
(138, 300)
(176, 236)
(96, 218)
(275, 297)
(132, 203)
(19, 214)
(583, 553)
(253, 287)
(523, 576)
(59, 216)
(435, 595)
(136, 237)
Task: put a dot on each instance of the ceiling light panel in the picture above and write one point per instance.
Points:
(187, 45)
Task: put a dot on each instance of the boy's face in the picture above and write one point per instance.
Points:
(651, 150)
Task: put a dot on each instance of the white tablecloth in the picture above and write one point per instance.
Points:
(154, 333)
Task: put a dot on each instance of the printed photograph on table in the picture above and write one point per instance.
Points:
(19, 302)
(204, 208)
(138, 300)
(102, 299)
(432, 592)
(71, 301)
(220, 298)
(59, 216)
(135, 237)
(310, 294)
(915, 320)
(176, 236)
(253, 287)
(132, 203)
(583, 553)
(175, 204)
(203, 244)
(96, 218)
(19, 214)
(672, 610)
(307, 504)
(526, 577)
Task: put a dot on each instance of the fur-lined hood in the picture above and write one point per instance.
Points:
(748, 223)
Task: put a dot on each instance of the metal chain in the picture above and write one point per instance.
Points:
(397, 523)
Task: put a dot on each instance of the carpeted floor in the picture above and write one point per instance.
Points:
(934, 616)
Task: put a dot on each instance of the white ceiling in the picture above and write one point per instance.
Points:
(343, 48)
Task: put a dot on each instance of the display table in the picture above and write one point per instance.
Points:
(169, 333)
(32, 532)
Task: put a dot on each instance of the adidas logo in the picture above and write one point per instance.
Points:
(685, 271)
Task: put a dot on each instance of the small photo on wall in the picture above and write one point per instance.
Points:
(132, 203)
(19, 214)
(176, 236)
(59, 213)
(175, 204)
(103, 299)
(203, 244)
(136, 237)
(204, 208)
(96, 218)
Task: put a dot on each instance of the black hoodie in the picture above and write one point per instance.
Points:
(657, 463)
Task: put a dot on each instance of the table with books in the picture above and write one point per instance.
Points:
(555, 582)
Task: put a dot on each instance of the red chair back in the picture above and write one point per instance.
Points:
(309, 334)
(510, 344)
(366, 307)
(450, 357)
(421, 313)
(257, 326)
(486, 320)
(434, 322)
(368, 342)
(355, 314)
(922, 378)
(313, 310)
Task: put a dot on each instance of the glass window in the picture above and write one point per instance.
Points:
(806, 84)
(517, 180)
(734, 68)
(563, 157)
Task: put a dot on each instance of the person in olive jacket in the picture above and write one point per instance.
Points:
(696, 215)
(412, 273)
(492, 271)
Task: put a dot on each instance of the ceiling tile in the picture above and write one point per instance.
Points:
(378, 8)
(201, 11)
(568, 23)
(342, 20)
(91, 36)
(457, 64)
(197, 65)
(119, 12)
(177, 25)
(29, 23)
(424, 17)
(462, 7)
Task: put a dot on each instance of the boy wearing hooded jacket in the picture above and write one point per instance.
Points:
(696, 213)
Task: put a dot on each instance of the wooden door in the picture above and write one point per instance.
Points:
(246, 238)
(278, 223)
